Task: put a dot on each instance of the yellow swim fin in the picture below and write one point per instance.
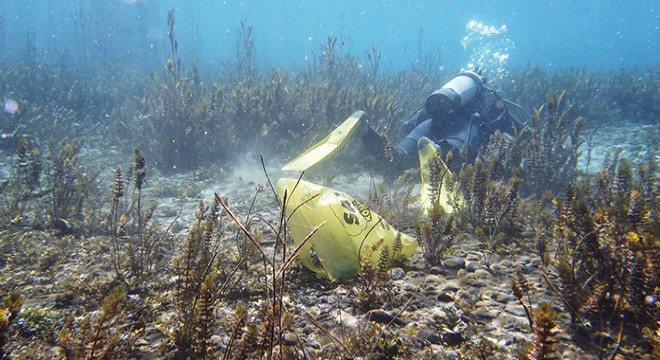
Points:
(428, 157)
(327, 147)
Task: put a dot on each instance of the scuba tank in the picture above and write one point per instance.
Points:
(454, 95)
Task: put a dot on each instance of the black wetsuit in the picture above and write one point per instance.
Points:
(473, 125)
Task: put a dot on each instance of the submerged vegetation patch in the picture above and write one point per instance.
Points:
(536, 246)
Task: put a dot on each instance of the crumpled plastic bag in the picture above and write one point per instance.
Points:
(350, 228)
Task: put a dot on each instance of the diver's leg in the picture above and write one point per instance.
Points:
(470, 135)
(405, 151)
(413, 121)
(402, 155)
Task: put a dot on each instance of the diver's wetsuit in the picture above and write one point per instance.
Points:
(450, 130)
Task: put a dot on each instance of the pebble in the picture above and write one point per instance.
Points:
(436, 271)
(383, 317)
(329, 348)
(503, 297)
(439, 316)
(452, 338)
(473, 266)
(416, 274)
(432, 280)
(483, 314)
(483, 274)
(348, 320)
(289, 339)
(310, 352)
(534, 262)
(473, 257)
(429, 335)
(489, 328)
(451, 286)
(397, 273)
(493, 259)
(478, 283)
(444, 353)
(454, 263)
(57, 352)
(515, 323)
(496, 268)
(460, 253)
(603, 338)
(430, 290)
(515, 310)
(506, 263)
(444, 297)
(528, 269)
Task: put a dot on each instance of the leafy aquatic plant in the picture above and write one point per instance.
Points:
(205, 274)
(69, 184)
(9, 310)
(273, 316)
(551, 154)
(606, 252)
(134, 238)
(542, 320)
(374, 281)
(19, 189)
(245, 51)
(396, 202)
(93, 335)
(436, 235)
(53, 191)
(489, 202)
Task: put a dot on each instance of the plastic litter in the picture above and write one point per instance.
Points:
(349, 227)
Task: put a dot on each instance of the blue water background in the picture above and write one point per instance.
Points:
(598, 35)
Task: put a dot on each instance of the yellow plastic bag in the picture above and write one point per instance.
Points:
(349, 229)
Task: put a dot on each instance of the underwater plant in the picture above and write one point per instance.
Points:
(54, 191)
(397, 202)
(93, 335)
(69, 183)
(245, 51)
(606, 235)
(329, 56)
(542, 320)
(599, 251)
(9, 310)
(373, 289)
(540, 159)
(179, 123)
(436, 235)
(20, 188)
(437, 232)
(273, 317)
(489, 202)
(608, 97)
(134, 237)
(205, 273)
(551, 154)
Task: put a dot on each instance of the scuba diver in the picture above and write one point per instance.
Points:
(459, 117)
